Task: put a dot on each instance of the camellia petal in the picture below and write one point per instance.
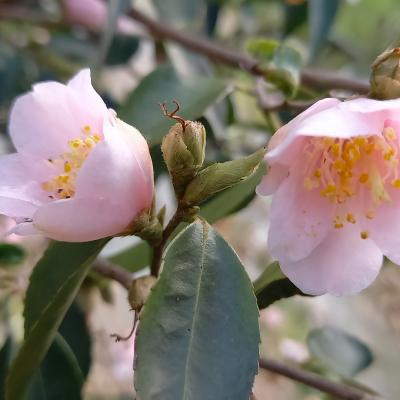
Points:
(341, 264)
(80, 220)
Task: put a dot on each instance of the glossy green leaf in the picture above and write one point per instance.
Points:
(198, 336)
(53, 285)
(220, 176)
(59, 376)
(142, 107)
(321, 15)
(11, 254)
(272, 285)
(339, 351)
(280, 62)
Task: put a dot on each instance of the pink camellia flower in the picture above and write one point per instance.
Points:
(80, 173)
(335, 175)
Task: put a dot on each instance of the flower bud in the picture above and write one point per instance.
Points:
(140, 291)
(184, 150)
(385, 76)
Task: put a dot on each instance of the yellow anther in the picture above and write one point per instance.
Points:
(364, 235)
(369, 148)
(363, 178)
(48, 186)
(317, 173)
(86, 129)
(308, 183)
(90, 142)
(370, 214)
(350, 218)
(396, 183)
(360, 141)
(67, 167)
(388, 155)
(339, 165)
(389, 133)
(336, 149)
(338, 225)
(96, 138)
(352, 153)
(329, 190)
(76, 143)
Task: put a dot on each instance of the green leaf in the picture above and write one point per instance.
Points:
(233, 199)
(281, 63)
(53, 285)
(59, 376)
(322, 15)
(273, 285)
(75, 331)
(5, 358)
(121, 49)
(220, 176)
(198, 336)
(142, 107)
(339, 351)
(11, 254)
(295, 16)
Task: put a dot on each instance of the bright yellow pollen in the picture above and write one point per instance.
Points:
(364, 235)
(350, 218)
(396, 183)
(363, 169)
(62, 186)
(86, 129)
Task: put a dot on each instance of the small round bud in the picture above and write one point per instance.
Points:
(140, 291)
(385, 76)
(183, 149)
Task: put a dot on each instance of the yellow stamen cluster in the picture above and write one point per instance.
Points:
(348, 171)
(62, 186)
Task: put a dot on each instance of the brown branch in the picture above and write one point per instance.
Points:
(109, 270)
(311, 77)
(311, 379)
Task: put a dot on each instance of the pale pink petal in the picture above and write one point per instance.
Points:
(92, 105)
(342, 264)
(90, 13)
(20, 179)
(80, 220)
(53, 114)
(24, 229)
(114, 171)
(364, 105)
(284, 137)
(384, 229)
(17, 208)
(300, 220)
(275, 175)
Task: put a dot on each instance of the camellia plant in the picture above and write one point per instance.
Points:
(83, 175)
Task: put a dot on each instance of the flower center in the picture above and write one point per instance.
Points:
(363, 167)
(62, 186)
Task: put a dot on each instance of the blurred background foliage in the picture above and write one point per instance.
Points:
(134, 71)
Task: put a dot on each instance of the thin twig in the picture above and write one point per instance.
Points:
(158, 250)
(311, 379)
(109, 270)
(311, 77)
